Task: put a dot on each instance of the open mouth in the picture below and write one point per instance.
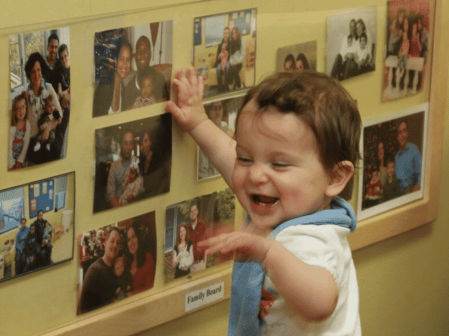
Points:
(264, 200)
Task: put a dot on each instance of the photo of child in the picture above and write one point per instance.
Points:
(132, 67)
(40, 97)
(189, 223)
(393, 151)
(133, 161)
(116, 261)
(351, 43)
(224, 51)
(408, 45)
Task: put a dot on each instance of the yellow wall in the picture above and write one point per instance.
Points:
(404, 287)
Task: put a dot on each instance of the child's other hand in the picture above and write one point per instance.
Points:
(188, 111)
(248, 246)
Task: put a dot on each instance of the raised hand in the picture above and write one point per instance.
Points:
(188, 111)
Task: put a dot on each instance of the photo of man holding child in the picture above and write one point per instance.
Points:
(133, 161)
(393, 167)
(132, 67)
(117, 261)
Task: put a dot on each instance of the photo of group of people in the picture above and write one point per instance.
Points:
(393, 167)
(224, 51)
(36, 225)
(116, 261)
(190, 222)
(133, 161)
(351, 43)
(407, 48)
(40, 97)
(223, 113)
(133, 67)
(297, 57)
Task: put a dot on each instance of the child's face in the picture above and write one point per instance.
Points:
(390, 169)
(47, 225)
(278, 173)
(224, 46)
(20, 109)
(350, 39)
(50, 106)
(362, 42)
(374, 176)
(147, 87)
(119, 266)
(64, 56)
(288, 66)
(216, 112)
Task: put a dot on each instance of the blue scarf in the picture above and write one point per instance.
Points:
(248, 277)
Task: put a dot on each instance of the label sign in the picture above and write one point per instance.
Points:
(204, 296)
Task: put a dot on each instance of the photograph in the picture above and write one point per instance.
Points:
(40, 97)
(351, 43)
(116, 261)
(224, 51)
(133, 161)
(190, 222)
(133, 67)
(223, 113)
(297, 57)
(394, 148)
(408, 39)
(36, 225)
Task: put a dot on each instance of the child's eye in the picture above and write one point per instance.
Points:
(280, 165)
(243, 160)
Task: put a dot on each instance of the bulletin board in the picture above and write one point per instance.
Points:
(279, 24)
(41, 196)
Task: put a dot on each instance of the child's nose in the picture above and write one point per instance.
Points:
(257, 174)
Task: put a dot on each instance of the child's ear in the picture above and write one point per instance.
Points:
(339, 178)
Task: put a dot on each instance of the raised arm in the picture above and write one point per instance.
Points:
(190, 115)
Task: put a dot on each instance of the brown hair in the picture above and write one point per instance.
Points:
(178, 238)
(18, 98)
(319, 101)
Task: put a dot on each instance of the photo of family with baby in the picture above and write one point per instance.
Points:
(351, 43)
(132, 67)
(407, 48)
(40, 97)
(133, 161)
(189, 223)
(392, 161)
(116, 261)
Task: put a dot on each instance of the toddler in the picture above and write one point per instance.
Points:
(286, 171)
(133, 185)
(373, 190)
(363, 54)
(224, 55)
(49, 115)
(403, 52)
(124, 278)
(391, 187)
(146, 90)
